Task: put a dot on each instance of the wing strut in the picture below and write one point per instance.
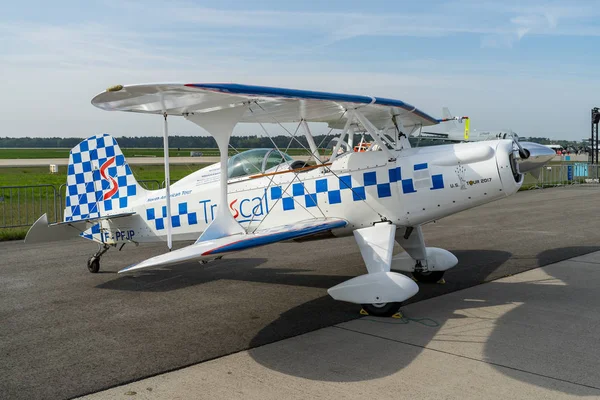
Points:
(220, 125)
(167, 178)
(373, 131)
(350, 140)
(349, 122)
(309, 137)
(311, 142)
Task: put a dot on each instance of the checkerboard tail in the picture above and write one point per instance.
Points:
(99, 180)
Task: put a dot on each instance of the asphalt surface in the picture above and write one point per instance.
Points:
(65, 332)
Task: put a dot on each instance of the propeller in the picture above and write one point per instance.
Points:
(532, 156)
(523, 153)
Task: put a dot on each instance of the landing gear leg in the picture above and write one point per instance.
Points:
(424, 276)
(93, 262)
(430, 262)
(380, 291)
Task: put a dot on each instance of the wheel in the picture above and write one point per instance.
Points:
(382, 309)
(93, 264)
(429, 276)
(298, 164)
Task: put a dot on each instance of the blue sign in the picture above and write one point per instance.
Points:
(570, 173)
(581, 169)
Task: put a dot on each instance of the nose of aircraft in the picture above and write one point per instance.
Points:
(539, 155)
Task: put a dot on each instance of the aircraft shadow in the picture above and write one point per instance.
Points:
(320, 357)
(240, 269)
(318, 369)
(249, 270)
(545, 332)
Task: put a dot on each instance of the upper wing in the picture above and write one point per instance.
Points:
(275, 104)
(229, 244)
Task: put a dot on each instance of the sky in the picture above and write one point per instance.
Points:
(530, 66)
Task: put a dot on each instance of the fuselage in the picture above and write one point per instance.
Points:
(419, 186)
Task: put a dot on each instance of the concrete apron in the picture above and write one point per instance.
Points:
(531, 335)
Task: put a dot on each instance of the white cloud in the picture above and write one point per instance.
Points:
(189, 35)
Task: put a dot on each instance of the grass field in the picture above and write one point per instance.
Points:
(23, 206)
(64, 153)
(13, 234)
(23, 176)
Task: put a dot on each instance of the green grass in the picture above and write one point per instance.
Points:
(25, 205)
(64, 153)
(41, 201)
(24, 176)
(13, 234)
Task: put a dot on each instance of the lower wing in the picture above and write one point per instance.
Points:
(228, 244)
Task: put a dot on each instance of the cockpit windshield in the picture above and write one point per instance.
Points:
(255, 161)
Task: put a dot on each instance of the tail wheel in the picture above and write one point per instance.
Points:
(382, 309)
(429, 276)
(93, 264)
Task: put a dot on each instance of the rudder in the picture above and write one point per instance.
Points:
(450, 126)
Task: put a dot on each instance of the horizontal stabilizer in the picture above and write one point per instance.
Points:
(42, 232)
(212, 248)
(434, 135)
(82, 222)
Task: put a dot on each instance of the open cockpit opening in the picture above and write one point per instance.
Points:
(257, 161)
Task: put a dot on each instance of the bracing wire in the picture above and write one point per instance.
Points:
(271, 179)
(290, 134)
(304, 147)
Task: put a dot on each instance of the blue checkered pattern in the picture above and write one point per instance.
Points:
(92, 233)
(85, 185)
(421, 179)
(371, 184)
(180, 215)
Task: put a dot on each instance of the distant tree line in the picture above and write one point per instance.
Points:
(254, 141)
(174, 142)
(567, 144)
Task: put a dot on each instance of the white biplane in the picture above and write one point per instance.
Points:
(263, 196)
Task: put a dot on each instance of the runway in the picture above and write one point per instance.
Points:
(66, 332)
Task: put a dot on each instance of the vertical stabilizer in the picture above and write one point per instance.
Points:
(450, 126)
(99, 180)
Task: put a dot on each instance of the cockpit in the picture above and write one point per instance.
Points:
(257, 161)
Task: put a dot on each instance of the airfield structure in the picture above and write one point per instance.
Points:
(594, 136)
